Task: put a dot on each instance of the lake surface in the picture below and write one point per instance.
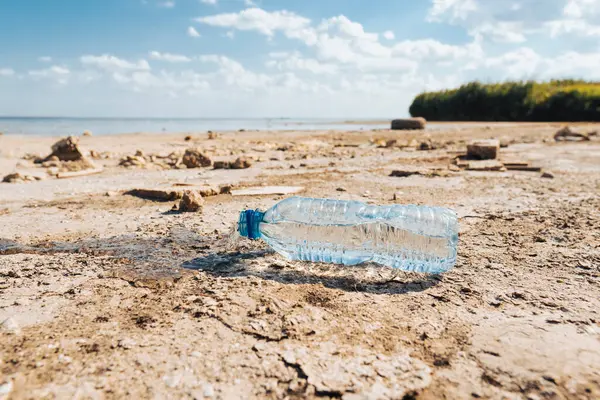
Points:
(107, 126)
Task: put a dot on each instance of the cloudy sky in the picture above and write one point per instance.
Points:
(278, 58)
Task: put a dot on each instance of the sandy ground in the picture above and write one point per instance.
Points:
(106, 295)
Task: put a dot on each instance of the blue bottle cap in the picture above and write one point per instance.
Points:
(248, 223)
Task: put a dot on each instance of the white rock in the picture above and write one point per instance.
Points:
(5, 389)
(172, 380)
(208, 390)
(10, 325)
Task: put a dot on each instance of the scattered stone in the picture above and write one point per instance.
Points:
(412, 143)
(156, 194)
(32, 157)
(397, 196)
(208, 390)
(427, 145)
(434, 172)
(19, 178)
(341, 189)
(87, 133)
(66, 150)
(515, 164)
(408, 123)
(207, 191)
(212, 135)
(9, 325)
(6, 387)
(397, 173)
(483, 149)
(548, 175)
(239, 163)
(132, 161)
(567, 134)
(187, 138)
(221, 165)
(225, 189)
(193, 158)
(523, 168)
(191, 201)
(486, 165)
(13, 178)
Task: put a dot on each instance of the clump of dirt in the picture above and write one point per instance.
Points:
(193, 158)
(20, 178)
(239, 163)
(191, 201)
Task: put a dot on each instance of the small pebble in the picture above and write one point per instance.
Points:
(548, 175)
(208, 390)
(5, 389)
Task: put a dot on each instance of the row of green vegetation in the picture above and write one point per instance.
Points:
(558, 100)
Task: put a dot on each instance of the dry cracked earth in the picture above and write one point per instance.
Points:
(107, 296)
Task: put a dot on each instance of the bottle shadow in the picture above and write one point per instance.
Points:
(266, 264)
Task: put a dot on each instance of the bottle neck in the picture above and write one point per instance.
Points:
(248, 223)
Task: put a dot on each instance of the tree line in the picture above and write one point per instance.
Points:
(556, 100)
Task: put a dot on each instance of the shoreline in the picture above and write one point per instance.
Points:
(341, 127)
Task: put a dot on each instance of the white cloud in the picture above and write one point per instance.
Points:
(452, 9)
(232, 73)
(581, 8)
(249, 3)
(110, 62)
(507, 32)
(211, 2)
(572, 26)
(284, 61)
(192, 32)
(7, 72)
(515, 22)
(167, 4)
(230, 34)
(56, 73)
(389, 35)
(337, 40)
(518, 64)
(168, 57)
(45, 59)
(54, 70)
(256, 19)
(431, 49)
(140, 81)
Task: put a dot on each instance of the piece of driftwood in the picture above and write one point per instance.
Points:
(76, 174)
(267, 190)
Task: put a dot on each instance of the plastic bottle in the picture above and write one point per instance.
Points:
(408, 237)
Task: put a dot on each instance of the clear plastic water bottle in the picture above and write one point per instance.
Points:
(408, 237)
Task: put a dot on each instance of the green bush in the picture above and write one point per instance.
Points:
(559, 100)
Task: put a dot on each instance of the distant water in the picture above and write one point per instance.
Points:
(106, 126)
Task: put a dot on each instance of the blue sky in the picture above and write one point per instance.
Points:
(270, 58)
